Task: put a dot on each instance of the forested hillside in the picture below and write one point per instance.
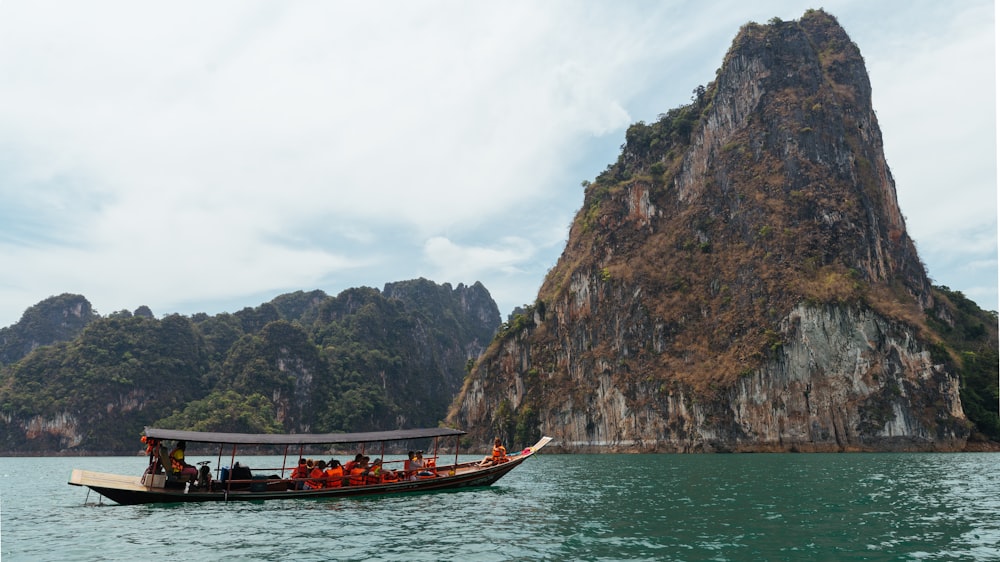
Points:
(303, 362)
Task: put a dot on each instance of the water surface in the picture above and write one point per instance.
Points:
(554, 507)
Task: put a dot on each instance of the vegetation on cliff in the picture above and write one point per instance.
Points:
(970, 342)
(768, 191)
(363, 360)
(53, 320)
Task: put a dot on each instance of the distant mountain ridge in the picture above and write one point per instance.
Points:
(741, 279)
(75, 382)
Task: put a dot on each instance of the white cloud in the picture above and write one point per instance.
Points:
(454, 261)
(193, 153)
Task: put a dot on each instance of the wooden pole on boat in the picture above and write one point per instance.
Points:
(232, 460)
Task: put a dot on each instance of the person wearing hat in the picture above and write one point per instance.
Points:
(317, 478)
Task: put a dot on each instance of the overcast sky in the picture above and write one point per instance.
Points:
(207, 156)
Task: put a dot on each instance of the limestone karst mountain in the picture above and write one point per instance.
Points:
(82, 383)
(740, 279)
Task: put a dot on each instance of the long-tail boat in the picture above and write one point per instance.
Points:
(161, 484)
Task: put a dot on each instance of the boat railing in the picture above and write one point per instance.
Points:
(261, 483)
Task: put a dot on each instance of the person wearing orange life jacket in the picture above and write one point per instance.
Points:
(300, 472)
(349, 465)
(317, 478)
(499, 454)
(357, 475)
(179, 466)
(374, 475)
(334, 474)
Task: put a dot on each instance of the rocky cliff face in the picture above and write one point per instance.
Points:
(741, 279)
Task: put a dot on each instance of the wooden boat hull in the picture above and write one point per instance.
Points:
(129, 490)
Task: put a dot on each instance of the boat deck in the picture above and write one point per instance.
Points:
(104, 480)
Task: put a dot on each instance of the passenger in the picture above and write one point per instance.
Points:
(299, 474)
(423, 470)
(374, 475)
(351, 464)
(179, 466)
(416, 464)
(317, 478)
(390, 476)
(408, 469)
(357, 474)
(334, 474)
(499, 454)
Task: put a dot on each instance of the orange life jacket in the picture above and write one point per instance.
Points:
(499, 454)
(335, 477)
(317, 476)
(357, 476)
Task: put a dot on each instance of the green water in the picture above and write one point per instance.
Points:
(555, 507)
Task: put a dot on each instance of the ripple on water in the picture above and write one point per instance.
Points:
(555, 507)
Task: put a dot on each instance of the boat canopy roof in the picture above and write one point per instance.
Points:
(299, 438)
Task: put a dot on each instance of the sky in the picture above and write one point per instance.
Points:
(209, 156)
